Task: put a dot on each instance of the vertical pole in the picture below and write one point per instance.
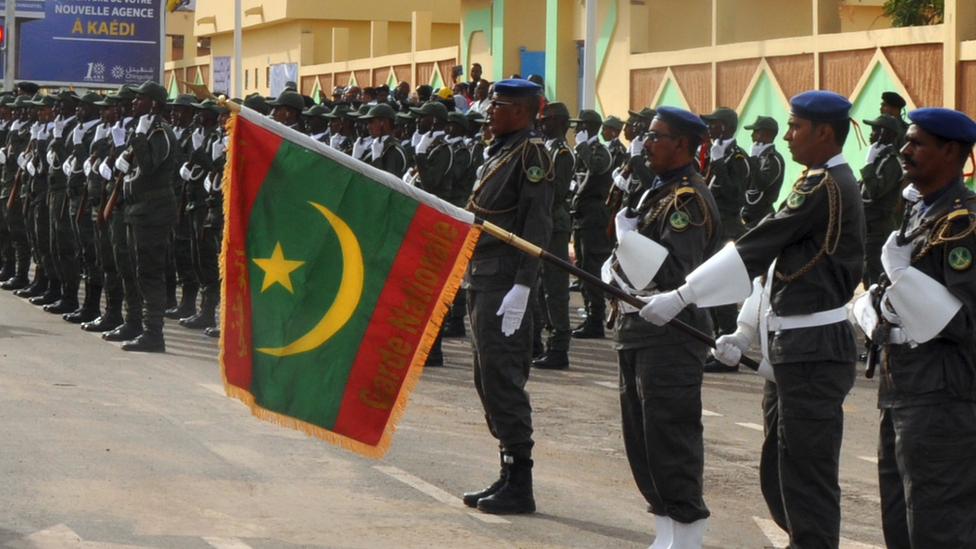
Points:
(589, 57)
(238, 62)
(10, 39)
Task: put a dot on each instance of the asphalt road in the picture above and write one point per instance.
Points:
(102, 449)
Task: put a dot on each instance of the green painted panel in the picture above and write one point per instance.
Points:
(867, 106)
(315, 92)
(474, 21)
(670, 96)
(603, 44)
(174, 89)
(497, 45)
(435, 80)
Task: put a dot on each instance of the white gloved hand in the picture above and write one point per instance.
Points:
(79, 134)
(66, 167)
(145, 121)
(358, 148)
(22, 159)
(101, 132)
(185, 172)
(105, 171)
(718, 150)
(335, 141)
(52, 157)
(621, 182)
(58, 127)
(217, 150)
(894, 258)
(582, 137)
(42, 134)
(513, 308)
(415, 139)
(121, 164)
(3, 156)
(377, 148)
(35, 129)
(30, 168)
(910, 193)
(757, 149)
(637, 147)
(873, 151)
(426, 140)
(118, 135)
(87, 167)
(197, 138)
(623, 223)
(729, 348)
(660, 309)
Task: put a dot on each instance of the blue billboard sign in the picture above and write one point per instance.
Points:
(89, 43)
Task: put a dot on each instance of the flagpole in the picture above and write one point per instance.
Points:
(536, 251)
(238, 62)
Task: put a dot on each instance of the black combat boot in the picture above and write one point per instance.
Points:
(38, 287)
(453, 326)
(20, 278)
(436, 355)
(204, 317)
(552, 360)
(69, 299)
(150, 341)
(188, 303)
(90, 309)
(212, 332)
(471, 499)
(515, 496)
(589, 329)
(129, 330)
(7, 271)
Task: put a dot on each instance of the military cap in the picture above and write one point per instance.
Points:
(315, 111)
(646, 113)
(681, 120)
(183, 100)
(127, 91)
(43, 101)
(29, 88)
(90, 97)
(587, 115)
(820, 106)
(476, 118)
(20, 102)
(291, 85)
(723, 114)
(257, 102)
(6, 100)
(338, 90)
(432, 108)
(458, 118)
(885, 121)
(517, 87)
(613, 122)
(380, 111)
(403, 118)
(893, 99)
(764, 123)
(340, 111)
(556, 109)
(289, 99)
(66, 95)
(205, 105)
(153, 90)
(945, 123)
(108, 101)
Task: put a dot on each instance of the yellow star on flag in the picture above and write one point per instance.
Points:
(277, 269)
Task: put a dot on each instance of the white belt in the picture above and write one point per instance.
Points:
(776, 323)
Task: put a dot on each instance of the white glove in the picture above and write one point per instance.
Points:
(757, 149)
(88, 167)
(145, 121)
(377, 148)
(415, 139)
(51, 157)
(637, 147)
(718, 150)
(619, 181)
(358, 148)
(3, 156)
(910, 193)
(58, 127)
(513, 308)
(894, 258)
(121, 164)
(623, 223)
(873, 151)
(729, 348)
(185, 172)
(78, 135)
(30, 168)
(101, 132)
(217, 150)
(660, 309)
(582, 137)
(22, 159)
(35, 129)
(118, 135)
(335, 141)
(197, 138)
(425, 142)
(66, 167)
(42, 134)
(105, 171)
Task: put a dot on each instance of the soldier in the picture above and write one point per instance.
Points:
(7, 259)
(553, 298)
(927, 394)
(183, 235)
(211, 236)
(661, 368)
(17, 140)
(150, 209)
(35, 194)
(766, 165)
(610, 133)
(811, 252)
(894, 104)
(515, 193)
(386, 153)
(591, 216)
(316, 124)
(880, 183)
(287, 109)
(341, 128)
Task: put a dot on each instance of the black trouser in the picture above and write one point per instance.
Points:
(660, 404)
(873, 242)
(17, 228)
(85, 234)
(125, 265)
(926, 475)
(553, 300)
(810, 432)
(105, 253)
(64, 243)
(205, 251)
(593, 247)
(501, 369)
(769, 457)
(6, 245)
(147, 244)
(183, 252)
(39, 232)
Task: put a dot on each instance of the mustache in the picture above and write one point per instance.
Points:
(909, 162)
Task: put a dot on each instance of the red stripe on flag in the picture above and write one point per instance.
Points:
(411, 295)
(253, 151)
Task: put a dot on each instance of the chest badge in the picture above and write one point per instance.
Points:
(534, 174)
(795, 200)
(960, 258)
(679, 221)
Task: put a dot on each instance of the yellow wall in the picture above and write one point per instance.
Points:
(525, 24)
(678, 25)
(753, 20)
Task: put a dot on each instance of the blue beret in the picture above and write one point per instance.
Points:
(682, 120)
(820, 106)
(517, 87)
(945, 123)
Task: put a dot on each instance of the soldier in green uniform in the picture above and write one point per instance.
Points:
(591, 216)
(894, 104)
(553, 297)
(610, 133)
(35, 194)
(182, 248)
(386, 152)
(64, 244)
(514, 193)
(881, 179)
(17, 140)
(464, 179)
(213, 226)
(767, 168)
(316, 124)
(341, 128)
(7, 258)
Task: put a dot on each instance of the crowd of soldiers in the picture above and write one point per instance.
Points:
(123, 192)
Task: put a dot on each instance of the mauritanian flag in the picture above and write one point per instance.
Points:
(336, 279)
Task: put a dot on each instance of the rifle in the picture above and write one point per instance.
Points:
(82, 205)
(14, 190)
(100, 209)
(110, 206)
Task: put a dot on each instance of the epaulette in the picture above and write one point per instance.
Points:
(536, 141)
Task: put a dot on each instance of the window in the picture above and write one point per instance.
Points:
(247, 75)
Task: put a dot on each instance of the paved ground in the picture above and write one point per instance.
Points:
(108, 450)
